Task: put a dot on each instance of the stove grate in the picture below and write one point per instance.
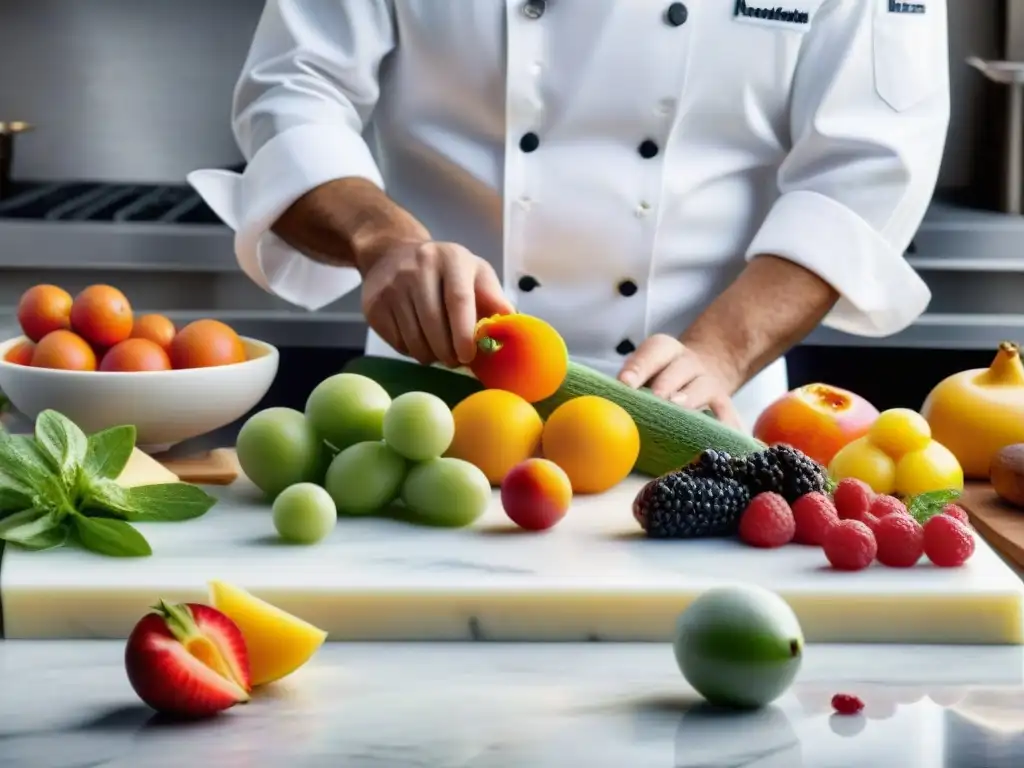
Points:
(101, 202)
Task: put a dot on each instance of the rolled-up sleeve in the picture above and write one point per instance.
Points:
(868, 121)
(307, 89)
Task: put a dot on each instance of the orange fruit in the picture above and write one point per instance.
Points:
(135, 355)
(495, 430)
(156, 328)
(43, 309)
(20, 353)
(594, 440)
(65, 351)
(206, 343)
(101, 315)
(520, 354)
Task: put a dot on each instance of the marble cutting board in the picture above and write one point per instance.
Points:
(594, 577)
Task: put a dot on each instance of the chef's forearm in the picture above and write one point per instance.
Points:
(347, 223)
(767, 310)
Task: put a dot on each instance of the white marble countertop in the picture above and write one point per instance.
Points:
(67, 704)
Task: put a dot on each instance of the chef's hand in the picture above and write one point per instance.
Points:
(678, 373)
(424, 299)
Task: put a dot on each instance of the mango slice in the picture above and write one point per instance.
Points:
(278, 642)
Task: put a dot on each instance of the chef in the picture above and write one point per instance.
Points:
(684, 190)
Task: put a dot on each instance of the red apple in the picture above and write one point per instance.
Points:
(188, 661)
(536, 494)
(817, 419)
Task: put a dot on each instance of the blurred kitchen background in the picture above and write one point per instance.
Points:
(127, 96)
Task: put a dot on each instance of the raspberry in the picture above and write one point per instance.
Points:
(850, 545)
(868, 519)
(957, 512)
(814, 514)
(767, 521)
(887, 505)
(948, 542)
(900, 541)
(847, 704)
(852, 498)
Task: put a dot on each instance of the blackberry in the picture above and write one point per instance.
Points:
(783, 470)
(683, 506)
(717, 465)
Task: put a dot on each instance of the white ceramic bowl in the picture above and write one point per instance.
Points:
(166, 407)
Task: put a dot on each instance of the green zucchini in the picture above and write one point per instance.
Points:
(670, 436)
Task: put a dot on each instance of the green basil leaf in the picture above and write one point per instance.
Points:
(27, 525)
(106, 496)
(107, 452)
(63, 443)
(15, 475)
(23, 460)
(12, 499)
(168, 502)
(925, 506)
(51, 539)
(110, 537)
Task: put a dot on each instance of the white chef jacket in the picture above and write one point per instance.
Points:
(615, 160)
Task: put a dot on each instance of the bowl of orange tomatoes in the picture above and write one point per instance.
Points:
(94, 359)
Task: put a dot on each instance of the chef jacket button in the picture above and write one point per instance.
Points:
(628, 288)
(625, 347)
(676, 15)
(529, 142)
(527, 283)
(534, 9)
(647, 149)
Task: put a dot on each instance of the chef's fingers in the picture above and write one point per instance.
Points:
(381, 319)
(676, 375)
(457, 279)
(412, 334)
(726, 412)
(490, 296)
(703, 393)
(653, 355)
(429, 303)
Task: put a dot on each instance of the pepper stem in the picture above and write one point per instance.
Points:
(1006, 368)
(488, 345)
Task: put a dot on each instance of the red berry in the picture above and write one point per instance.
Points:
(852, 498)
(957, 512)
(814, 514)
(900, 541)
(767, 521)
(867, 518)
(948, 542)
(850, 545)
(847, 704)
(887, 505)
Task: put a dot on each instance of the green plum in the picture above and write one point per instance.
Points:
(365, 478)
(739, 646)
(277, 448)
(419, 425)
(446, 492)
(304, 513)
(347, 409)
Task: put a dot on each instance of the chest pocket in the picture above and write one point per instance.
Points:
(910, 60)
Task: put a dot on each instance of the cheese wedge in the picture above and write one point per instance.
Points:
(143, 469)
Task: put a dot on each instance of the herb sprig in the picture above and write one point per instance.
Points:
(925, 506)
(59, 487)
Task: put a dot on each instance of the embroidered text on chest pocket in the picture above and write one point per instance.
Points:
(909, 51)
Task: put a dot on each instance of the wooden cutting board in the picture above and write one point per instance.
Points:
(216, 467)
(1001, 525)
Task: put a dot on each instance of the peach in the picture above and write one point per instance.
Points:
(818, 419)
(536, 494)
